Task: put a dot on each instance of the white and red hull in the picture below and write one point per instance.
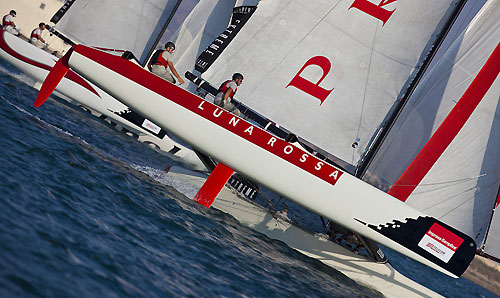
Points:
(37, 63)
(379, 276)
(277, 164)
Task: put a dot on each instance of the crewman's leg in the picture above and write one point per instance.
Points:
(218, 100)
(160, 70)
(37, 43)
(232, 108)
(12, 30)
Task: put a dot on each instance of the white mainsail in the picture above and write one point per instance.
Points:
(127, 24)
(461, 188)
(360, 55)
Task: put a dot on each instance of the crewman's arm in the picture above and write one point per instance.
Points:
(172, 68)
(228, 92)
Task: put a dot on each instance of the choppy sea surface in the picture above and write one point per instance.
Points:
(80, 216)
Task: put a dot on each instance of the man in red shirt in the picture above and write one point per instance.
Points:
(8, 23)
(36, 36)
(161, 61)
(226, 94)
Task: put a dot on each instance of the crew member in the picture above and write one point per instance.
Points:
(36, 36)
(8, 23)
(161, 61)
(226, 94)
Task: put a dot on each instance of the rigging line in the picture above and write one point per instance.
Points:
(449, 127)
(386, 127)
(446, 182)
(294, 47)
(458, 206)
(366, 88)
(443, 182)
(452, 199)
(453, 209)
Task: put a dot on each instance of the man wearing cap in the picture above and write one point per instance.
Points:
(161, 61)
(8, 23)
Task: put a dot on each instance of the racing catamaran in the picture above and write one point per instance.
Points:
(289, 169)
(396, 225)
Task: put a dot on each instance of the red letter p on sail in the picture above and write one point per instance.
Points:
(376, 11)
(313, 88)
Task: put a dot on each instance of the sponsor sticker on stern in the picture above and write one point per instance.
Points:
(440, 242)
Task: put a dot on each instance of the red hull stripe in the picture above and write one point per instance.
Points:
(214, 184)
(448, 130)
(211, 112)
(70, 75)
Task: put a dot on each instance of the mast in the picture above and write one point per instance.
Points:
(480, 250)
(67, 5)
(145, 20)
(275, 72)
(323, 69)
(60, 13)
(384, 130)
(240, 15)
(400, 103)
(56, 17)
(150, 51)
(441, 155)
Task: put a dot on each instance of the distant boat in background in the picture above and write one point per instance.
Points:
(73, 21)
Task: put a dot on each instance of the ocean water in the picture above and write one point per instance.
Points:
(82, 216)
